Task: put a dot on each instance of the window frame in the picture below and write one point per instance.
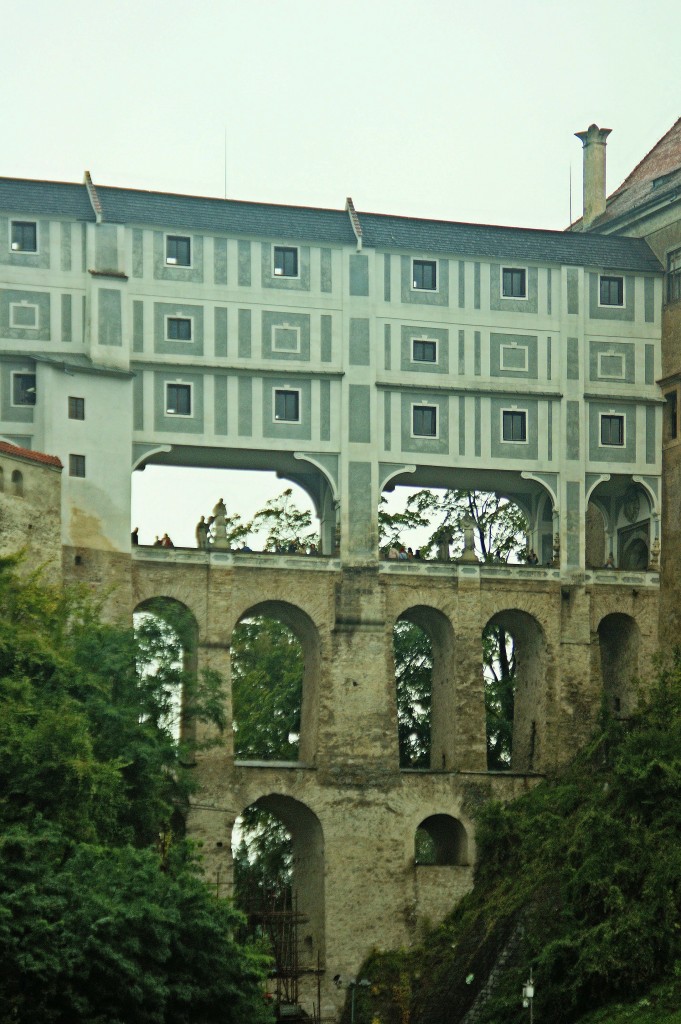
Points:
(425, 341)
(610, 278)
(75, 407)
(612, 355)
(284, 250)
(671, 416)
(514, 348)
(673, 289)
(173, 261)
(188, 389)
(15, 246)
(285, 327)
(513, 413)
(76, 464)
(512, 295)
(179, 318)
(15, 374)
(623, 434)
(422, 262)
(422, 407)
(24, 305)
(297, 392)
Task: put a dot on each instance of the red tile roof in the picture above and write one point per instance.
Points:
(26, 453)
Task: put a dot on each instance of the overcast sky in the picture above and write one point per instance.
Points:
(430, 108)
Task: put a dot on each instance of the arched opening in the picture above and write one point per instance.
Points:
(441, 839)
(167, 637)
(619, 640)
(515, 676)
(278, 851)
(275, 656)
(17, 483)
(423, 648)
(626, 509)
(635, 554)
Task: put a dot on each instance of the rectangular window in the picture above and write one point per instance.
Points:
(178, 399)
(514, 425)
(23, 389)
(513, 283)
(285, 261)
(76, 408)
(178, 328)
(76, 465)
(672, 416)
(285, 338)
(23, 315)
(424, 420)
(287, 406)
(424, 351)
(178, 251)
(24, 236)
(674, 276)
(611, 291)
(612, 430)
(424, 275)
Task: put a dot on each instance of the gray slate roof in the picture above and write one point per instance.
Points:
(327, 227)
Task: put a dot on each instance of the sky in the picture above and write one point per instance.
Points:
(431, 109)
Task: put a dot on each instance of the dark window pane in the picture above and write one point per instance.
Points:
(76, 408)
(23, 389)
(287, 406)
(514, 426)
(424, 421)
(425, 351)
(425, 275)
(285, 261)
(76, 465)
(612, 430)
(178, 250)
(179, 329)
(672, 415)
(24, 236)
(612, 291)
(514, 283)
(178, 399)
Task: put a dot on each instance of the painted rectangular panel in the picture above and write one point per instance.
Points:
(572, 359)
(285, 429)
(325, 271)
(359, 414)
(548, 358)
(137, 325)
(650, 435)
(168, 346)
(549, 432)
(110, 327)
(409, 335)
(362, 516)
(387, 421)
(106, 247)
(572, 291)
(244, 333)
(138, 401)
(612, 453)
(359, 275)
(220, 413)
(521, 451)
(462, 352)
(326, 335)
(171, 423)
(269, 279)
(513, 355)
(387, 347)
(462, 284)
(66, 319)
(244, 263)
(612, 361)
(478, 426)
(625, 312)
(137, 252)
(462, 425)
(386, 277)
(39, 303)
(83, 319)
(573, 523)
(325, 410)
(65, 246)
(548, 291)
(649, 299)
(83, 247)
(423, 297)
(359, 353)
(286, 336)
(245, 409)
(438, 445)
(512, 305)
(572, 430)
(220, 261)
(650, 364)
(221, 339)
(476, 285)
(476, 354)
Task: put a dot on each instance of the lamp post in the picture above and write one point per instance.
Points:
(528, 995)
(352, 985)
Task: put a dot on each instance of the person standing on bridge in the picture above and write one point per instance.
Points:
(202, 533)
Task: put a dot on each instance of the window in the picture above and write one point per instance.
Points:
(514, 425)
(424, 275)
(612, 430)
(178, 328)
(611, 291)
(178, 399)
(76, 408)
(674, 276)
(424, 420)
(178, 251)
(287, 406)
(23, 389)
(424, 351)
(24, 236)
(513, 283)
(76, 465)
(285, 261)
(23, 315)
(672, 417)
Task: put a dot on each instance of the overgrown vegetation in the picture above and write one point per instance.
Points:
(580, 880)
(104, 918)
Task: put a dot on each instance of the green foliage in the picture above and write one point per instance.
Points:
(285, 523)
(413, 656)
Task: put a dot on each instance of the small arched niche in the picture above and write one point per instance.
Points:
(619, 639)
(441, 840)
(17, 483)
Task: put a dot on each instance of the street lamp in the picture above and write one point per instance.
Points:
(528, 995)
(352, 985)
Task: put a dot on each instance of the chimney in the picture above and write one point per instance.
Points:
(593, 141)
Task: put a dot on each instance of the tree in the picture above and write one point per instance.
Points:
(413, 656)
(285, 523)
